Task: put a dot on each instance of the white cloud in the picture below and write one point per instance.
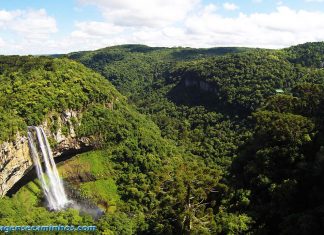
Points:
(197, 25)
(210, 8)
(230, 6)
(204, 26)
(6, 16)
(94, 29)
(2, 42)
(33, 24)
(208, 28)
(26, 31)
(280, 28)
(149, 13)
(30, 24)
(314, 0)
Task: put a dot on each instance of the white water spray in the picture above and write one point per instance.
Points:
(52, 185)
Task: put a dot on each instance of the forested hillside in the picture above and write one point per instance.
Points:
(256, 114)
(144, 184)
(186, 141)
(308, 54)
(32, 87)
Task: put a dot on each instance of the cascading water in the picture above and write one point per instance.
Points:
(52, 185)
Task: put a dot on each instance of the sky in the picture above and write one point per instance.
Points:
(62, 26)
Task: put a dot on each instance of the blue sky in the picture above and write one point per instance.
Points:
(61, 26)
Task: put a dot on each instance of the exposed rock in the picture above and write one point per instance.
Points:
(201, 85)
(67, 141)
(110, 105)
(15, 159)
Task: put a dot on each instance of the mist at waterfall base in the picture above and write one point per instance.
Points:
(51, 183)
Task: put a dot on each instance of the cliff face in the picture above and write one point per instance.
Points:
(64, 136)
(201, 85)
(15, 159)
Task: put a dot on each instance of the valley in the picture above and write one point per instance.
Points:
(170, 140)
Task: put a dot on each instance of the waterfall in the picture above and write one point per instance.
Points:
(51, 183)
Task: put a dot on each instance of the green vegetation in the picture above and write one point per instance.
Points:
(199, 142)
(282, 163)
(128, 177)
(223, 107)
(24, 208)
(32, 87)
(308, 54)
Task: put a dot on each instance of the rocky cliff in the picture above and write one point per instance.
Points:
(201, 85)
(15, 160)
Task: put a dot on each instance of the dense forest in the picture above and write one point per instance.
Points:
(199, 141)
